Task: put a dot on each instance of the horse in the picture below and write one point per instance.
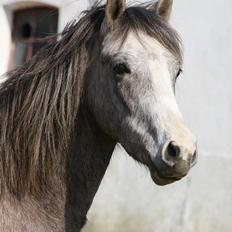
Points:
(109, 78)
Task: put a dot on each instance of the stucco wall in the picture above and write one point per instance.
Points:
(5, 38)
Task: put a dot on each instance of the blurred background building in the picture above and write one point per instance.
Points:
(127, 200)
(23, 22)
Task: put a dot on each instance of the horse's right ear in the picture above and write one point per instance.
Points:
(163, 8)
(114, 9)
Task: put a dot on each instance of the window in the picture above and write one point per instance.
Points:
(29, 25)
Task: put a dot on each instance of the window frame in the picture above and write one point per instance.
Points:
(33, 40)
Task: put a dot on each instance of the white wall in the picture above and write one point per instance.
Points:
(207, 82)
(5, 38)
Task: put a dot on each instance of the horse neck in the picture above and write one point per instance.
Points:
(65, 210)
(87, 162)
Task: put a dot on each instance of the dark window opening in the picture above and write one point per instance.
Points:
(30, 25)
(26, 31)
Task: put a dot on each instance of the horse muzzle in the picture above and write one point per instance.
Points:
(173, 163)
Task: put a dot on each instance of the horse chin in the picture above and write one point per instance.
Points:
(162, 181)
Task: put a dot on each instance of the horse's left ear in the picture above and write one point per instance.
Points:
(114, 9)
(164, 8)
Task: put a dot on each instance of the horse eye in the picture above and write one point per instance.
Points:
(179, 72)
(121, 69)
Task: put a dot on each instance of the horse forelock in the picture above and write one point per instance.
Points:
(142, 18)
(39, 101)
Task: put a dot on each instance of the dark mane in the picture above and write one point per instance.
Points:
(39, 101)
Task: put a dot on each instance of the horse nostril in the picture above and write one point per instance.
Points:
(173, 150)
(178, 157)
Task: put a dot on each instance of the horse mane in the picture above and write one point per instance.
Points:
(38, 109)
(39, 101)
